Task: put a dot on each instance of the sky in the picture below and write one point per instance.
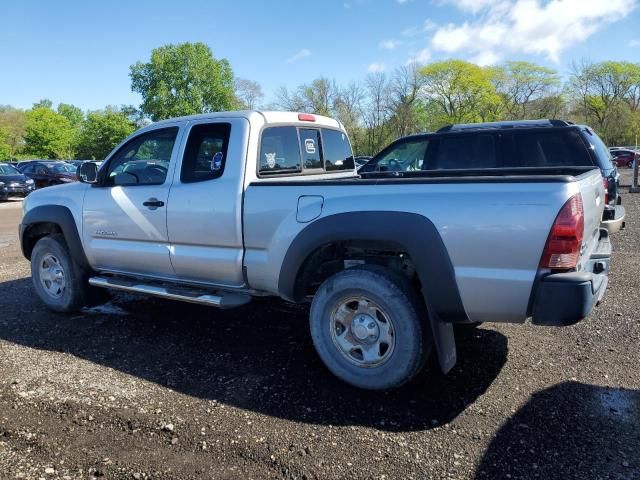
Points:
(79, 52)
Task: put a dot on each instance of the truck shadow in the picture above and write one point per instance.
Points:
(259, 357)
(571, 430)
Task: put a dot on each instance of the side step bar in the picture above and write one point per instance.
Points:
(213, 299)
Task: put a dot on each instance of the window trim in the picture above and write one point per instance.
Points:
(302, 170)
(104, 169)
(186, 145)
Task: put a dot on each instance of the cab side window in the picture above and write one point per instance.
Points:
(206, 152)
(144, 160)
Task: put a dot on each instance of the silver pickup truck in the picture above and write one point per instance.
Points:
(219, 208)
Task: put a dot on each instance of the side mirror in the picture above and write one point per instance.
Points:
(88, 172)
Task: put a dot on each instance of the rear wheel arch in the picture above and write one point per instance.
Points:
(411, 233)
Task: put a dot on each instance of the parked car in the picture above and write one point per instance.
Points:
(14, 182)
(624, 157)
(523, 144)
(218, 208)
(50, 172)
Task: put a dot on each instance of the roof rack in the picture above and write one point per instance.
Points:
(505, 124)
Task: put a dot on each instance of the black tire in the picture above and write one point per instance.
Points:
(396, 299)
(76, 292)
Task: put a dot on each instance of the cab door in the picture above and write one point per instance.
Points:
(125, 214)
(204, 215)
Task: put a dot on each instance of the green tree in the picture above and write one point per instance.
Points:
(71, 113)
(101, 131)
(48, 134)
(44, 103)
(606, 96)
(523, 85)
(183, 79)
(5, 150)
(464, 92)
(12, 122)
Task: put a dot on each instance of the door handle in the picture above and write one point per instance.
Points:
(153, 203)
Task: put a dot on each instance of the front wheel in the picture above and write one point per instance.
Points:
(366, 328)
(57, 280)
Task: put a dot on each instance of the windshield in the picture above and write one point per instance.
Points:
(64, 168)
(8, 170)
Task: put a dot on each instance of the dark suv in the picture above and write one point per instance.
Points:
(516, 144)
(49, 172)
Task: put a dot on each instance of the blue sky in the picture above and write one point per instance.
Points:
(79, 52)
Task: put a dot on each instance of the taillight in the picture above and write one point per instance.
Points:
(605, 183)
(306, 117)
(565, 239)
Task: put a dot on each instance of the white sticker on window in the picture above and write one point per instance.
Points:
(310, 145)
(216, 163)
(271, 159)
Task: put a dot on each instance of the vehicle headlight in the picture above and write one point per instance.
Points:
(29, 181)
(67, 179)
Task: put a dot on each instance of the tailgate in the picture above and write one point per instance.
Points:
(592, 191)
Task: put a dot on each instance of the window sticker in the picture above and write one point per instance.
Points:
(216, 163)
(310, 145)
(271, 159)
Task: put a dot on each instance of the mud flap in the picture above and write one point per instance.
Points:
(443, 339)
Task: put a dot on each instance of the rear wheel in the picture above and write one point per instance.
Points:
(58, 281)
(366, 328)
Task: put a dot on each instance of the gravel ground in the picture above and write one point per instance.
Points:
(145, 388)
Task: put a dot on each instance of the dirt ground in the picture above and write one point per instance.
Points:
(144, 388)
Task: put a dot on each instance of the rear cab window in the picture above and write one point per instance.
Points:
(287, 150)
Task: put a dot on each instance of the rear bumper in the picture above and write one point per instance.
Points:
(563, 299)
(613, 219)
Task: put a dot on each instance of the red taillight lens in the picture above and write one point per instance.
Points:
(306, 117)
(565, 239)
(605, 183)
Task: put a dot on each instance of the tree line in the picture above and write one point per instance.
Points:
(187, 79)
(417, 98)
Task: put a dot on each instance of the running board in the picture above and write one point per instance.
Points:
(218, 299)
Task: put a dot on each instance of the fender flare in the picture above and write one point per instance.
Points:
(416, 234)
(63, 218)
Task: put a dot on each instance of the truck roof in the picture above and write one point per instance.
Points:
(267, 117)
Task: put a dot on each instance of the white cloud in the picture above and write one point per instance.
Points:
(634, 43)
(402, 2)
(376, 67)
(410, 32)
(501, 28)
(304, 53)
(389, 44)
(472, 6)
(423, 56)
(429, 25)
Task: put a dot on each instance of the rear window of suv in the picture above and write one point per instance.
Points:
(545, 148)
